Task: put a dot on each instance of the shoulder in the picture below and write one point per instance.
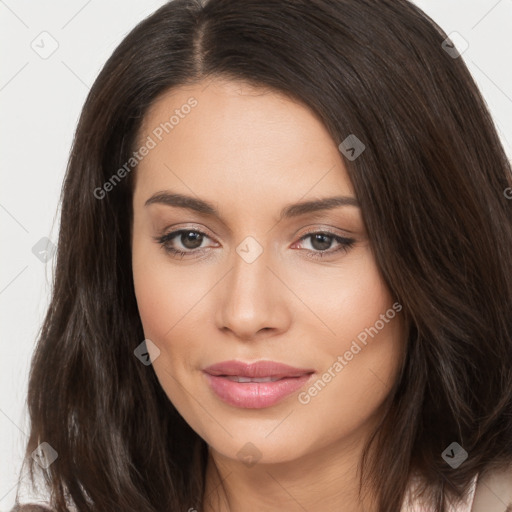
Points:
(416, 501)
(30, 507)
(494, 492)
(39, 507)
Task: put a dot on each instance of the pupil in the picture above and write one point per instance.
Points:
(325, 242)
(191, 240)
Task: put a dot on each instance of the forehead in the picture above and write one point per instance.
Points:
(237, 141)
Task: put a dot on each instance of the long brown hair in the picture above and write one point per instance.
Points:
(430, 183)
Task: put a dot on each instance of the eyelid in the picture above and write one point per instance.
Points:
(327, 230)
(345, 243)
(342, 240)
(189, 227)
(166, 234)
(204, 231)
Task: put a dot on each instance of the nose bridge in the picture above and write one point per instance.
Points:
(251, 300)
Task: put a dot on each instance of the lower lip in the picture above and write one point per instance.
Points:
(255, 395)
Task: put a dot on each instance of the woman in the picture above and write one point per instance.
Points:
(283, 276)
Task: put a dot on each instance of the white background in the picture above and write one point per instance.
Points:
(40, 101)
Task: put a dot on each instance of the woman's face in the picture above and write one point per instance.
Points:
(261, 280)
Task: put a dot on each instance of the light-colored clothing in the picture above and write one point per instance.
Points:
(493, 493)
(412, 504)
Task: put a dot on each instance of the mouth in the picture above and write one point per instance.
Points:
(256, 370)
(257, 385)
(239, 378)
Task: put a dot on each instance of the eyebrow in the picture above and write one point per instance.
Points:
(289, 211)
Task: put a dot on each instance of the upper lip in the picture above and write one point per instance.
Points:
(259, 369)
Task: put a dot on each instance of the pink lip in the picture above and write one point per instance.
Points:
(255, 395)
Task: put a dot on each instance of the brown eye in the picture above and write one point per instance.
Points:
(321, 243)
(191, 239)
(183, 242)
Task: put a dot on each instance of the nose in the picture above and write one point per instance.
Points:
(252, 302)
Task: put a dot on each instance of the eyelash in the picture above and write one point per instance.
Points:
(345, 243)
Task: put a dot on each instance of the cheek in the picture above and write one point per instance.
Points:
(373, 328)
(161, 294)
(169, 300)
(153, 303)
(347, 300)
(158, 300)
(168, 304)
(361, 356)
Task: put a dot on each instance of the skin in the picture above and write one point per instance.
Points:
(250, 152)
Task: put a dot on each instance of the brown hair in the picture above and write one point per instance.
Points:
(430, 183)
